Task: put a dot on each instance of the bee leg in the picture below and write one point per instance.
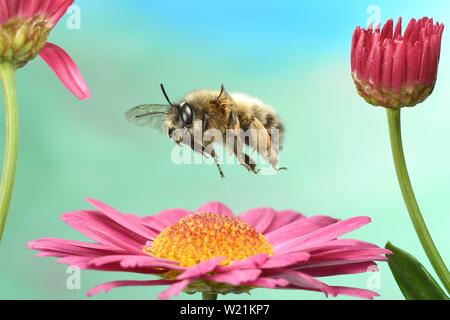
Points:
(205, 124)
(204, 151)
(274, 151)
(261, 141)
(243, 158)
(208, 149)
(238, 146)
(249, 163)
(273, 160)
(211, 152)
(216, 160)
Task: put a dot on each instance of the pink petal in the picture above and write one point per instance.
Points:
(235, 277)
(85, 263)
(352, 253)
(165, 218)
(62, 247)
(285, 260)
(424, 72)
(66, 70)
(132, 261)
(122, 263)
(321, 235)
(52, 9)
(59, 8)
(128, 221)
(398, 29)
(283, 218)
(298, 228)
(254, 262)
(269, 283)
(306, 282)
(174, 290)
(387, 30)
(415, 33)
(361, 54)
(97, 226)
(399, 66)
(340, 244)
(349, 242)
(370, 63)
(216, 207)
(148, 262)
(374, 72)
(29, 8)
(344, 256)
(260, 219)
(355, 40)
(5, 13)
(386, 69)
(172, 216)
(200, 269)
(409, 30)
(335, 270)
(336, 263)
(78, 261)
(106, 287)
(434, 47)
(412, 64)
(354, 292)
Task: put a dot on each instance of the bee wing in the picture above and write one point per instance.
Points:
(148, 115)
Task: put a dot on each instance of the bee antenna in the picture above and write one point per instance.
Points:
(222, 90)
(166, 96)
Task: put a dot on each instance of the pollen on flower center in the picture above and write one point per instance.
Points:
(205, 236)
(21, 40)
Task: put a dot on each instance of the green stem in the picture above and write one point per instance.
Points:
(209, 296)
(8, 79)
(410, 200)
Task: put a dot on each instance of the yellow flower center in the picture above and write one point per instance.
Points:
(21, 40)
(204, 236)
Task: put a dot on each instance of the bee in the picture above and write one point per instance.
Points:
(236, 118)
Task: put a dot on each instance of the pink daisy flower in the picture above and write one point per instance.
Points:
(394, 69)
(211, 251)
(24, 28)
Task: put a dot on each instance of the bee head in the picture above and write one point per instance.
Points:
(182, 116)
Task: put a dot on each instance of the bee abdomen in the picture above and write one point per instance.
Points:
(275, 128)
(272, 122)
(248, 108)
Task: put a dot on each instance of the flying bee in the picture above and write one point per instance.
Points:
(237, 120)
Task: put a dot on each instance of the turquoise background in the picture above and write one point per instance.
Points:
(293, 55)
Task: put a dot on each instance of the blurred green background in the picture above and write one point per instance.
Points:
(293, 55)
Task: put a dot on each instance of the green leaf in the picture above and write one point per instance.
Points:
(415, 282)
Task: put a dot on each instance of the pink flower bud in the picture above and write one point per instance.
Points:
(396, 70)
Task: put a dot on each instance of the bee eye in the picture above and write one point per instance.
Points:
(186, 115)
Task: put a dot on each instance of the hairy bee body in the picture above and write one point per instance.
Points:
(246, 119)
(247, 109)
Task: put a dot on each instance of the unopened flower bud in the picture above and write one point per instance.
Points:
(396, 70)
